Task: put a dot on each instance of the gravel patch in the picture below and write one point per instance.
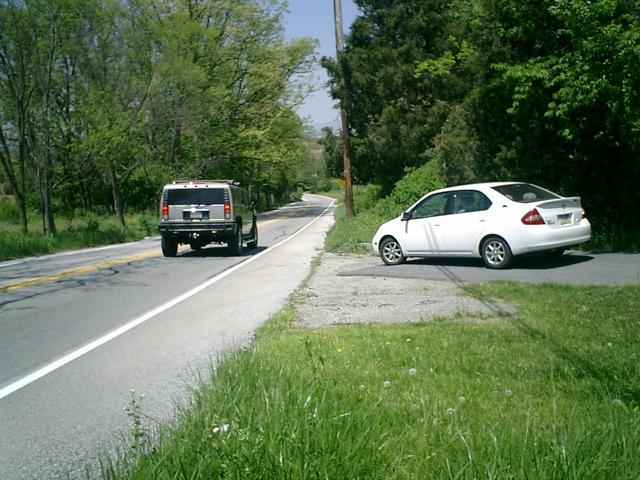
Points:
(337, 295)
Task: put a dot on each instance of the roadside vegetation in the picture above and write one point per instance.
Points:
(537, 91)
(83, 229)
(549, 392)
(103, 102)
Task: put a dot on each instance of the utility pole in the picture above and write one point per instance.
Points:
(344, 96)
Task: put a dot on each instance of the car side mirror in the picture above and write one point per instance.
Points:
(406, 216)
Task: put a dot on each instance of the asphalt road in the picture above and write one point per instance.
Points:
(79, 331)
(574, 267)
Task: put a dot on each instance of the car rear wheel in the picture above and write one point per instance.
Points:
(235, 244)
(391, 252)
(254, 239)
(496, 253)
(169, 247)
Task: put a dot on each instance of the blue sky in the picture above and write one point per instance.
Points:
(314, 18)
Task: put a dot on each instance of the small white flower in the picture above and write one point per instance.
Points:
(362, 387)
(451, 411)
(508, 392)
(408, 340)
(386, 384)
(222, 429)
(609, 344)
(461, 399)
(413, 372)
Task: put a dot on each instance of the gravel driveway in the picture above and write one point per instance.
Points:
(348, 289)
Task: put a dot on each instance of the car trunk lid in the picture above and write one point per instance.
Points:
(561, 212)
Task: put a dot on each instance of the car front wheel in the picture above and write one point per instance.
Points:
(391, 252)
(496, 253)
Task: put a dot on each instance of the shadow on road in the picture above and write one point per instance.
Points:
(213, 251)
(527, 262)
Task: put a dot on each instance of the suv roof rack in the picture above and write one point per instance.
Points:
(229, 181)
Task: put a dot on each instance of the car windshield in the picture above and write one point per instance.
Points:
(525, 192)
(196, 196)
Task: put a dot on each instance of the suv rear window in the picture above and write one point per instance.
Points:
(525, 192)
(196, 196)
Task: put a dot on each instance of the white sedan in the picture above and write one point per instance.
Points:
(494, 221)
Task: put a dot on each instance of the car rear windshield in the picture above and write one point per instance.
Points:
(196, 196)
(525, 192)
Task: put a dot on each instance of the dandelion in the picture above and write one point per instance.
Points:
(413, 372)
(508, 392)
(617, 402)
(221, 429)
(461, 399)
(386, 384)
(451, 411)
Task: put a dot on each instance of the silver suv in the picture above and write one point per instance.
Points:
(198, 212)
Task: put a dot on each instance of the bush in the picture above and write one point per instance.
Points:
(351, 234)
(8, 212)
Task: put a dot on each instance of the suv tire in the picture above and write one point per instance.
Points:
(169, 247)
(254, 238)
(235, 244)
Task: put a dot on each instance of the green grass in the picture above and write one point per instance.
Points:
(551, 392)
(87, 230)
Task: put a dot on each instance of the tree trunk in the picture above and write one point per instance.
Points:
(118, 206)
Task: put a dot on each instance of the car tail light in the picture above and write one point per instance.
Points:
(532, 217)
(165, 211)
(227, 211)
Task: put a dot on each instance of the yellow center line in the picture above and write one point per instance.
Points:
(75, 271)
(28, 282)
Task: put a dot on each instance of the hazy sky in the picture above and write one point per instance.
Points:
(314, 18)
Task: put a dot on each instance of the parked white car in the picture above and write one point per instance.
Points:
(494, 221)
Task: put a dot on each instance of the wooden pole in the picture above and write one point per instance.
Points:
(346, 151)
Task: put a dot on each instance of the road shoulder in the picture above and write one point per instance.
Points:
(336, 294)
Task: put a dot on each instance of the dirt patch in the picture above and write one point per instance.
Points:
(333, 297)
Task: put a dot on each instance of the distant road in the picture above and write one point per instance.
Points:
(80, 330)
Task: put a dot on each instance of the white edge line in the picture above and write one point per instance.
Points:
(55, 365)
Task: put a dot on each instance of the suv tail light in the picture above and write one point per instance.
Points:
(227, 211)
(165, 211)
(532, 217)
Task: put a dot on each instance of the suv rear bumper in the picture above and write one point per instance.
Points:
(212, 231)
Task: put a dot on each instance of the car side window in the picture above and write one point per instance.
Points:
(470, 201)
(432, 206)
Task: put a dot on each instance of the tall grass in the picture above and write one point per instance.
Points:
(81, 231)
(550, 393)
